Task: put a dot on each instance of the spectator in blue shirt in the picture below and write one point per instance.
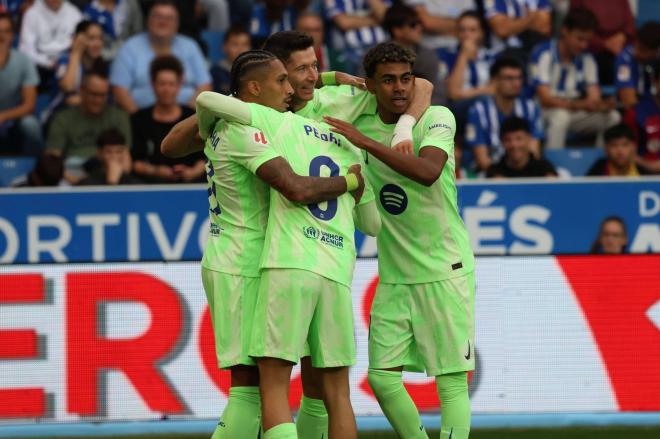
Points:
(485, 117)
(20, 131)
(565, 77)
(130, 70)
(120, 20)
(634, 66)
(467, 67)
(356, 27)
(513, 21)
(236, 41)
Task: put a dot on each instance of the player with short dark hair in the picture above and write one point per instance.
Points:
(327, 234)
(422, 317)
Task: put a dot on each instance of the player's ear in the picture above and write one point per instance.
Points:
(371, 85)
(253, 88)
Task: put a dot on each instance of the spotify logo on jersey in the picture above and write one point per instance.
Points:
(393, 199)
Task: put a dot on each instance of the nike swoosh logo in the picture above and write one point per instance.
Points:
(467, 357)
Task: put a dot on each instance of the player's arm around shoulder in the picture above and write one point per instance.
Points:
(183, 139)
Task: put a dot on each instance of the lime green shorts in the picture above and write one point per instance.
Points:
(424, 327)
(231, 301)
(298, 306)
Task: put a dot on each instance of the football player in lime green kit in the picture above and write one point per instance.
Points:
(307, 268)
(422, 317)
(346, 102)
(237, 155)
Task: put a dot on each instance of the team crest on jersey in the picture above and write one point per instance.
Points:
(393, 199)
(311, 232)
(260, 138)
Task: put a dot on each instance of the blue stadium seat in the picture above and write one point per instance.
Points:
(213, 40)
(573, 161)
(14, 167)
(647, 10)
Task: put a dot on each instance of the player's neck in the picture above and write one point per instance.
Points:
(387, 116)
(297, 104)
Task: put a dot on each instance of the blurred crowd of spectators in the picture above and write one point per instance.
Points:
(92, 87)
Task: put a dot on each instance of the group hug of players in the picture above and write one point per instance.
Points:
(296, 161)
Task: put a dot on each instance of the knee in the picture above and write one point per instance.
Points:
(559, 119)
(384, 382)
(451, 385)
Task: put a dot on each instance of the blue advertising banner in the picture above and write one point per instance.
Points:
(153, 223)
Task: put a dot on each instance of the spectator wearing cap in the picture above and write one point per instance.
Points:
(635, 66)
(615, 30)
(20, 131)
(46, 34)
(405, 28)
(486, 115)
(518, 161)
(151, 125)
(130, 70)
(644, 120)
(120, 20)
(620, 155)
(518, 23)
(236, 41)
(47, 171)
(74, 130)
(440, 20)
(114, 165)
(356, 27)
(565, 77)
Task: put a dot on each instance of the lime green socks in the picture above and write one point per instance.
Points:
(242, 415)
(281, 431)
(455, 400)
(396, 404)
(312, 420)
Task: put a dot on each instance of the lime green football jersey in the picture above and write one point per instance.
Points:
(315, 237)
(422, 238)
(343, 102)
(238, 199)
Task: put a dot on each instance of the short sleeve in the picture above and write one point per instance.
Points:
(248, 146)
(344, 102)
(474, 129)
(541, 68)
(199, 73)
(122, 68)
(590, 70)
(31, 78)
(334, 8)
(438, 129)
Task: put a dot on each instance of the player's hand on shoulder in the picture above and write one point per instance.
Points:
(345, 79)
(357, 193)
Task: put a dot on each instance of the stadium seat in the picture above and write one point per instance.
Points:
(13, 167)
(213, 40)
(573, 161)
(647, 10)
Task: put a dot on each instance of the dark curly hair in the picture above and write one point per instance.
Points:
(245, 63)
(386, 53)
